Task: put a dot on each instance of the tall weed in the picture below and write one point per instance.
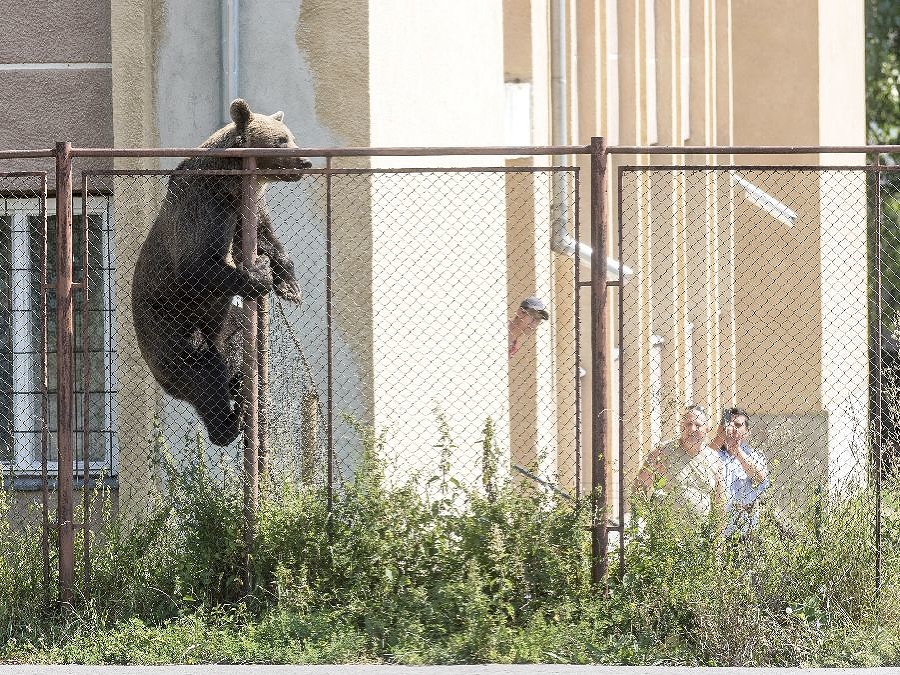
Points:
(431, 572)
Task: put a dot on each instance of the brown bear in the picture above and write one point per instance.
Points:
(190, 268)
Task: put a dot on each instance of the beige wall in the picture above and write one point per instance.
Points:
(667, 71)
(798, 88)
(439, 243)
(715, 275)
(461, 40)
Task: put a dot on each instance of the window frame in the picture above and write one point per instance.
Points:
(26, 363)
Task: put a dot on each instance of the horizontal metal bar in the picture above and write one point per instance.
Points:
(547, 484)
(23, 174)
(757, 167)
(333, 172)
(26, 154)
(332, 152)
(456, 151)
(76, 285)
(610, 283)
(749, 149)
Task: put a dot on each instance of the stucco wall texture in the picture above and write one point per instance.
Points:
(55, 78)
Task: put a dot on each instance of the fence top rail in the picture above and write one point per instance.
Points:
(792, 168)
(26, 154)
(751, 149)
(429, 151)
(333, 152)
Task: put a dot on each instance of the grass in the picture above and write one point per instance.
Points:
(431, 573)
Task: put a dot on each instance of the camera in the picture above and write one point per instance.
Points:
(726, 417)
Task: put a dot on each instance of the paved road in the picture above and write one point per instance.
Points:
(429, 670)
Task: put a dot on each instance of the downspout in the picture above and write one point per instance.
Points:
(561, 241)
(228, 34)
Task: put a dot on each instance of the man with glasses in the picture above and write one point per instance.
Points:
(684, 472)
(744, 472)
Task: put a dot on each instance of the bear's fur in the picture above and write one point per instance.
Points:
(190, 267)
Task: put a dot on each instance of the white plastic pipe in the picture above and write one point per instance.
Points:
(764, 200)
(229, 35)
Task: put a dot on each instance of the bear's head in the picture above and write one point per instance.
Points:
(254, 130)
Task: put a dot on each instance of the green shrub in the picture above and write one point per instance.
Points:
(432, 572)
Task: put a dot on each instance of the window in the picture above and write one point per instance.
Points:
(21, 321)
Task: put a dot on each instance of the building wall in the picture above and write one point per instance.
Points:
(790, 90)
(706, 288)
(697, 72)
(343, 79)
(55, 78)
(439, 241)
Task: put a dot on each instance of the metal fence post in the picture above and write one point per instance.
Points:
(598, 361)
(876, 357)
(329, 306)
(251, 374)
(64, 366)
(262, 367)
(86, 393)
(45, 398)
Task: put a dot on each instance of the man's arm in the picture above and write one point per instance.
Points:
(754, 468)
(718, 480)
(718, 440)
(650, 469)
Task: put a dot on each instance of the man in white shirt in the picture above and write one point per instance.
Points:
(685, 472)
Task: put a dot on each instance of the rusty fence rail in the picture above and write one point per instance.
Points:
(412, 327)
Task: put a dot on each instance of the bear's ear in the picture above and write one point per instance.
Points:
(240, 113)
(278, 116)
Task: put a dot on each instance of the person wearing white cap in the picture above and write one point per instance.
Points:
(530, 313)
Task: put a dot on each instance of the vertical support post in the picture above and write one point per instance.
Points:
(64, 367)
(251, 374)
(876, 359)
(620, 343)
(86, 394)
(579, 460)
(262, 348)
(45, 396)
(329, 307)
(599, 493)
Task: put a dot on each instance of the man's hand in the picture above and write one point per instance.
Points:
(719, 439)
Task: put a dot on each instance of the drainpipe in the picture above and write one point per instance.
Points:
(559, 131)
(561, 241)
(228, 34)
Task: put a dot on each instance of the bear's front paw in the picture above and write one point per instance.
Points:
(260, 273)
(289, 289)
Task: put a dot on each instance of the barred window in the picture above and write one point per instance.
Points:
(21, 323)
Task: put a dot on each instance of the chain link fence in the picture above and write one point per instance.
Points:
(751, 316)
(444, 322)
(27, 359)
(412, 283)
